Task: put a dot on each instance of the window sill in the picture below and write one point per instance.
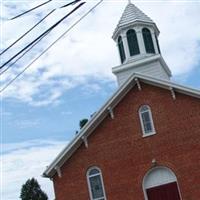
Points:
(148, 134)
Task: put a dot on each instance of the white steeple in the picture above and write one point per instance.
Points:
(136, 36)
(130, 16)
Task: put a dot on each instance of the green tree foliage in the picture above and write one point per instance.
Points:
(82, 123)
(31, 191)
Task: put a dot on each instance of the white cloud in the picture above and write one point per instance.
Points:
(24, 160)
(88, 50)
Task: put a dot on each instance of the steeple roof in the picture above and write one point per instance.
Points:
(130, 15)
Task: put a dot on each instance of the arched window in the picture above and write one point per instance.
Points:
(160, 183)
(132, 42)
(146, 120)
(121, 49)
(148, 42)
(95, 184)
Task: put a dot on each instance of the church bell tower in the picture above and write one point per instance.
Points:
(136, 36)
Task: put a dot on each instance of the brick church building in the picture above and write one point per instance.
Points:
(144, 143)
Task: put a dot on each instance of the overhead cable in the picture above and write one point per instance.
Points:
(9, 66)
(44, 33)
(71, 3)
(27, 32)
(49, 47)
(30, 10)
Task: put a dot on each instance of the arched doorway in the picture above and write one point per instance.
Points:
(160, 183)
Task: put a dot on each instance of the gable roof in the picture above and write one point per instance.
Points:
(130, 15)
(67, 152)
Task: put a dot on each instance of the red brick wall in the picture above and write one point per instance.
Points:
(124, 156)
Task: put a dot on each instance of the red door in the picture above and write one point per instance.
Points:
(164, 192)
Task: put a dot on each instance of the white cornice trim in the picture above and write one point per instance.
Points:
(140, 62)
(67, 152)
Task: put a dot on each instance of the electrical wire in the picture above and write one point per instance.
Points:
(30, 10)
(27, 32)
(71, 3)
(49, 47)
(44, 33)
(9, 66)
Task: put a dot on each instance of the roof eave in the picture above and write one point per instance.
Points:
(67, 152)
(168, 85)
(87, 130)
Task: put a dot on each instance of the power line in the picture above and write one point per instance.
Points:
(52, 44)
(9, 66)
(44, 33)
(27, 32)
(71, 3)
(2, 72)
(30, 10)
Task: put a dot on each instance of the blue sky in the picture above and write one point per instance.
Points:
(58, 121)
(40, 111)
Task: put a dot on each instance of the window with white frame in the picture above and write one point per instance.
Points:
(146, 120)
(95, 184)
